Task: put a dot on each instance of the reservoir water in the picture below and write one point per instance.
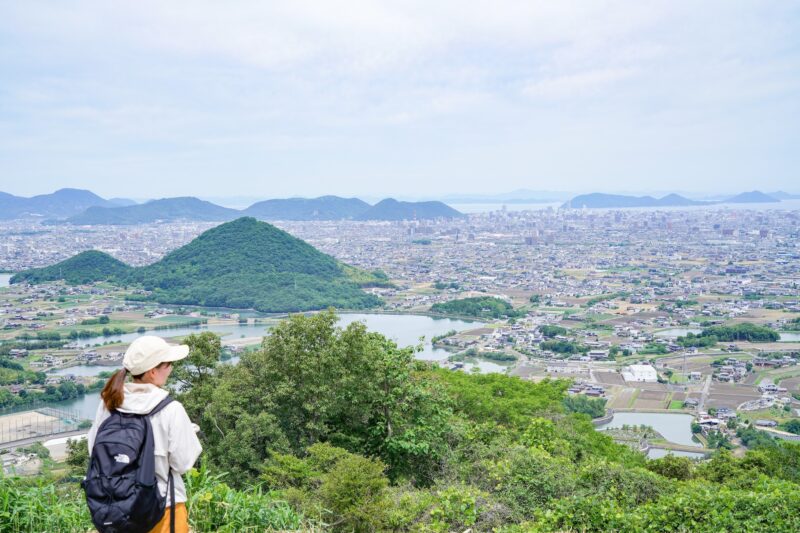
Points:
(4, 279)
(675, 427)
(657, 453)
(226, 331)
(674, 333)
(403, 329)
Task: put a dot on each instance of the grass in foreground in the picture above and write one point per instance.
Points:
(47, 504)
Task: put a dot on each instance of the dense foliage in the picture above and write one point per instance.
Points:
(551, 331)
(604, 298)
(742, 332)
(65, 390)
(579, 403)
(563, 347)
(13, 373)
(479, 307)
(85, 267)
(375, 441)
(697, 341)
(241, 264)
(341, 430)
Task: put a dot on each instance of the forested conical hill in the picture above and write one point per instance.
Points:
(85, 267)
(247, 263)
(241, 264)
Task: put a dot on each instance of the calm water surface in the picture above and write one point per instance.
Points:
(674, 333)
(658, 453)
(403, 329)
(4, 279)
(226, 331)
(674, 427)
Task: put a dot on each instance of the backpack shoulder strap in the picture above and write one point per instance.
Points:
(171, 483)
(162, 404)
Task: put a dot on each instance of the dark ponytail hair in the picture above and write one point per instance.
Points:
(113, 393)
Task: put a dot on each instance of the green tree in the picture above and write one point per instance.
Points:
(792, 426)
(673, 467)
(78, 456)
(550, 331)
(354, 490)
(313, 382)
(579, 403)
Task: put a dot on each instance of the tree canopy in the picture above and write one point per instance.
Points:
(479, 307)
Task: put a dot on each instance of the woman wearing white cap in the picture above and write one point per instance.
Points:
(149, 361)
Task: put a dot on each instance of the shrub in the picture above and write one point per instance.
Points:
(354, 491)
(214, 506)
(672, 467)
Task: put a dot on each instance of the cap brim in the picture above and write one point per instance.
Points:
(176, 353)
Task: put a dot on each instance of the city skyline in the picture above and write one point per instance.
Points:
(146, 100)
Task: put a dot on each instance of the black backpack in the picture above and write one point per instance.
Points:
(120, 486)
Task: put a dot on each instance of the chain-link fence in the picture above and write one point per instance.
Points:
(39, 422)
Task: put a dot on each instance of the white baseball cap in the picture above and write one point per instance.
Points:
(149, 351)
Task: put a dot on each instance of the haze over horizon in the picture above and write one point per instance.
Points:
(149, 100)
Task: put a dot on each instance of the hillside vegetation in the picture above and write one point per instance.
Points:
(479, 307)
(340, 430)
(86, 267)
(241, 264)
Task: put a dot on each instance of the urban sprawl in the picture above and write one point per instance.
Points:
(621, 302)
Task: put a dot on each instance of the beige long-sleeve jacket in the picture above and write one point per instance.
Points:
(176, 444)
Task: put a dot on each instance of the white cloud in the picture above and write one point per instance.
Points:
(465, 88)
(577, 84)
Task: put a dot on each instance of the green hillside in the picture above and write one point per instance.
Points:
(85, 267)
(241, 264)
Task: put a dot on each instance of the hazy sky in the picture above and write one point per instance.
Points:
(418, 98)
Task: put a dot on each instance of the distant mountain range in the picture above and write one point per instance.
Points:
(60, 204)
(79, 207)
(240, 264)
(782, 195)
(752, 197)
(122, 202)
(391, 209)
(322, 208)
(601, 200)
(165, 210)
